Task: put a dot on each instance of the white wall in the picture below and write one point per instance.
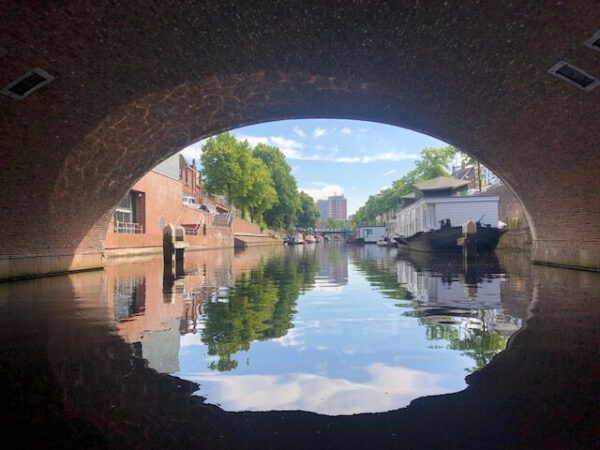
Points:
(375, 234)
(425, 214)
(470, 208)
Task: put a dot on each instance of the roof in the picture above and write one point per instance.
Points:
(169, 167)
(440, 183)
(411, 195)
(464, 173)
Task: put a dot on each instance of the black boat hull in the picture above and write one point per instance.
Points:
(445, 240)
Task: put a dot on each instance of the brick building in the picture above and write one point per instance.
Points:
(157, 199)
(338, 207)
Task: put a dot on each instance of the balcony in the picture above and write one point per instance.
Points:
(129, 228)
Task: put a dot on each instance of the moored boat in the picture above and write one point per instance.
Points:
(445, 240)
(296, 238)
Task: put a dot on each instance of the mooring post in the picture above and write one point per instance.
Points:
(469, 240)
(168, 244)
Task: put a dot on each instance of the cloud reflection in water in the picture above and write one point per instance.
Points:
(387, 388)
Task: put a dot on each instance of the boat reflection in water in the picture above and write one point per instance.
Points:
(113, 358)
(460, 301)
(312, 327)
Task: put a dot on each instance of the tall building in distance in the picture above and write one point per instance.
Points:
(323, 207)
(338, 207)
(334, 207)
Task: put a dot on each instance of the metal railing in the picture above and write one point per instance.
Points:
(129, 228)
(223, 220)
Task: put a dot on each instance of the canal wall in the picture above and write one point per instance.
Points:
(248, 234)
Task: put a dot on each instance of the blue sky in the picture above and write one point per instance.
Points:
(347, 157)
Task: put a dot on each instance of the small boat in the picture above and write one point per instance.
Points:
(296, 238)
(445, 240)
(385, 243)
(309, 239)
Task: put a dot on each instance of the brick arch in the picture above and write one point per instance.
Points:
(136, 84)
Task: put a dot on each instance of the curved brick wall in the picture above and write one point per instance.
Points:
(136, 83)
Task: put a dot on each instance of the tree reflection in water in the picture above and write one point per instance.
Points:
(468, 330)
(260, 306)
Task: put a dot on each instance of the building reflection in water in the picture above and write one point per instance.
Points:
(229, 316)
(459, 302)
(68, 379)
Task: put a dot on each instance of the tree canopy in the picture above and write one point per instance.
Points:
(283, 213)
(432, 163)
(258, 181)
(309, 214)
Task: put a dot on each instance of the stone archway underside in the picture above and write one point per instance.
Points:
(134, 83)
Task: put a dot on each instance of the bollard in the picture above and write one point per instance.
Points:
(168, 244)
(469, 241)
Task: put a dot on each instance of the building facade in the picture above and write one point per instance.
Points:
(323, 208)
(171, 193)
(443, 199)
(338, 208)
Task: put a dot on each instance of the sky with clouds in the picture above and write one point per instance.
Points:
(347, 157)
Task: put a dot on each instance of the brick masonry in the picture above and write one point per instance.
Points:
(138, 83)
(162, 205)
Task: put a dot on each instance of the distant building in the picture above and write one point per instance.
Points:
(323, 207)
(469, 173)
(338, 208)
(335, 207)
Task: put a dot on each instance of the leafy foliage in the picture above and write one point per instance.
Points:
(259, 307)
(283, 213)
(309, 214)
(432, 163)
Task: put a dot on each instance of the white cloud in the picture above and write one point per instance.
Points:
(193, 151)
(346, 130)
(318, 132)
(292, 149)
(385, 388)
(389, 172)
(289, 147)
(324, 191)
(299, 132)
(253, 140)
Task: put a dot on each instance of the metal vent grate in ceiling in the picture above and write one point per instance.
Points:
(574, 75)
(594, 41)
(28, 83)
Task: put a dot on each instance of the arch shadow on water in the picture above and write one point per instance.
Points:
(74, 366)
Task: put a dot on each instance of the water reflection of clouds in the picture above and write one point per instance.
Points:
(290, 339)
(386, 388)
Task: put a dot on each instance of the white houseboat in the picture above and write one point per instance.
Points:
(370, 235)
(430, 218)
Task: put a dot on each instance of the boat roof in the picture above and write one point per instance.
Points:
(440, 183)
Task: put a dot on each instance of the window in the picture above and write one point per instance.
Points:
(129, 213)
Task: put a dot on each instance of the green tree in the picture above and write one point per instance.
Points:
(231, 169)
(223, 168)
(432, 163)
(283, 213)
(309, 214)
(261, 194)
(333, 224)
(260, 306)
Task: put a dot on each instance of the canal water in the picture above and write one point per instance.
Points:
(329, 329)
